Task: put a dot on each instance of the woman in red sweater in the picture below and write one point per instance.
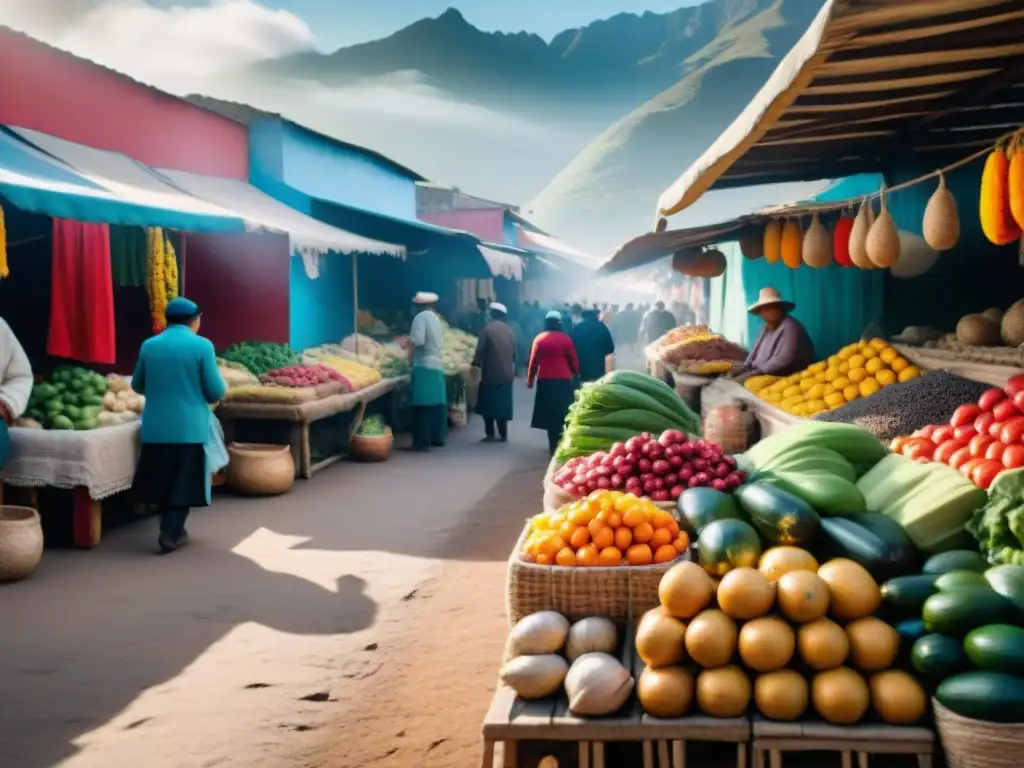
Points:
(554, 366)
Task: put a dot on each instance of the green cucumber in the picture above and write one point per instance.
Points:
(910, 630)
(909, 591)
(954, 580)
(997, 647)
(955, 560)
(653, 387)
(990, 696)
(699, 507)
(627, 418)
(780, 517)
(1008, 581)
(937, 657)
(826, 493)
(957, 613)
(883, 554)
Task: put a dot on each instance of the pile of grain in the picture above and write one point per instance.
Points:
(903, 408)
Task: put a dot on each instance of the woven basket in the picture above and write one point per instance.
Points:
(619, 593)
(975, 743)
(372, 447)
(259, 469)
(21, 542)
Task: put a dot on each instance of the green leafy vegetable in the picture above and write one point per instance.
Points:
(999, 525)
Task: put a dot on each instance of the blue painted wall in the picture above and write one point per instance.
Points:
(321, 310)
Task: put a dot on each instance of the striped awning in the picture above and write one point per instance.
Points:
(870, 81)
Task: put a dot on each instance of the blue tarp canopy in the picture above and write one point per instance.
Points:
(40, 183)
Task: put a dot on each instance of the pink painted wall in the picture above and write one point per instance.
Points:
(54, 92)
(487, 224)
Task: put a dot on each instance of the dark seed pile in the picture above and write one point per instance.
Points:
(903, 408)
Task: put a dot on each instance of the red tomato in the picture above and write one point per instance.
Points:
(897, 443)
(967, 430)
(919, 448)
(983, 422)
(1005, 411)
(941, 435)
(1018, 400)
(964, 415)
(960, 457)
(925, 431)
(991, 398)
(994, 452)
(968, 467)
(945, 451)
(979, 444)
(1012, 431)
(1015, 385)
(995, 429)
(1013, 456)
(984, 473)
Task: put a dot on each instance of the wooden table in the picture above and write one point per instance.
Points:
(772, 739)
(946, 360)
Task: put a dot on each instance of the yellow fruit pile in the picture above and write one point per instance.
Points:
(359, 375)
(605, 529)
(858, 370)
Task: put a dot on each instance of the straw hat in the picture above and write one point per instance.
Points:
(425, 297)
(769, 297)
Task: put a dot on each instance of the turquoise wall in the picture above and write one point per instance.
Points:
(321, 310)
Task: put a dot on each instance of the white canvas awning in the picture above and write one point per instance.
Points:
(501, 263)
(261, 211)
(870, 79)
(555, 247)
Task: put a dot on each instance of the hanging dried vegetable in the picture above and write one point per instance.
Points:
(161, 276)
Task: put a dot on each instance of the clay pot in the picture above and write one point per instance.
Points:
(21, 542)
(260, 469)
(372, 448)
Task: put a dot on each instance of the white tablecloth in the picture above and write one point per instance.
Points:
(102, 460)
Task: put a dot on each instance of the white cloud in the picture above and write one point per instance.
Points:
(173, 48)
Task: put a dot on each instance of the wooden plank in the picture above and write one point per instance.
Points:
(697, 728)
(765, 728)
(870, 732)
(511, 718)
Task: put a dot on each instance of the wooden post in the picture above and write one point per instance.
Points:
(86, 519)
(355, 299)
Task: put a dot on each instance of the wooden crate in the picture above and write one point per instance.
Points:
(772, 740)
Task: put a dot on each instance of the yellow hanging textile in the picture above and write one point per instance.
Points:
(5, 271)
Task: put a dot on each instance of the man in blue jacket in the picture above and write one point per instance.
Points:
(177, 372)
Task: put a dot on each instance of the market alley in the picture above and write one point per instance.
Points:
(357, 620)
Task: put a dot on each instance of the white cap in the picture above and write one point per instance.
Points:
(554, 314)
(499, 307)
(425, 297)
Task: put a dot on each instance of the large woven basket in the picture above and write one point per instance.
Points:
(372, 447)
(21, 542)
(619, 593)
(260, 469)
(975, 743)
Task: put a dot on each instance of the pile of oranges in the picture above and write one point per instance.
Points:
(607, 528)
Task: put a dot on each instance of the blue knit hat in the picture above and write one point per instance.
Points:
(180, 308)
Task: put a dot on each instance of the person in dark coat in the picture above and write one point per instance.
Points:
(177, 373)
(553, 366)
(656, 323)
(626, 327)
(496, 358)
(593, 342)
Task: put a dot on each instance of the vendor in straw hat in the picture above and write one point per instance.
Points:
(783, 346)
(429, 393)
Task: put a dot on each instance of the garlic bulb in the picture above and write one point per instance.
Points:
(595, 634)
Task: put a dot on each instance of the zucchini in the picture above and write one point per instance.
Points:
(827, 493)
(699, 507)
(780, 517)
(910, 630)
(1008, 581)
(957, 613)
(997, 647)
(937, 657)
(991, 696)
(909, 591)
(616, 397)
(955, 560)
(951, 581)
(881, 555)
(626, 418)
(653, 387)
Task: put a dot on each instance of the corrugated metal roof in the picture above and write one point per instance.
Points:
(872, 80)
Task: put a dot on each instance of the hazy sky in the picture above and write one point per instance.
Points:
(343, 22)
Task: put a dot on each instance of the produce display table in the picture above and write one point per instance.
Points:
(947, 360)
(301, 415)
(775, 738)
(93, 464)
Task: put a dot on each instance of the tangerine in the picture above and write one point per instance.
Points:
(587, 556)
(639, 554)
(596, 525)
(623, 538)
(665, 554)
(604, 538)
(634, 516)
(682, 542)
(662, 519)
(567, 529)
(543, 560)
(565, 556)
(660, 538)
(614, 520)
(610, 556)
(580, 538)
(643, 533)
(674, 528)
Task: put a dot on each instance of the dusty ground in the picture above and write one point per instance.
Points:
(357, 621)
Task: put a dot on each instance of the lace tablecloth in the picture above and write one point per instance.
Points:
(101, 460)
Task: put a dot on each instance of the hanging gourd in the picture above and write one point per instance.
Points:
(697, 263)
(752, 244)
(859, 236)
(1015, 179)
(841, 241)
(941, 223)
(883, 243)
(772, 242)
(792, 244)
(817, 245)
(997, 220)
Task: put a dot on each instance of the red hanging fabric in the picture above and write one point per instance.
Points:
(81, 293)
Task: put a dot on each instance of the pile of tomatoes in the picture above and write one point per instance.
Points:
(981, 440)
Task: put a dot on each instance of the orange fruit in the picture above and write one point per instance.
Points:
(624, 502)
(609, 556)
(634, 516)
(614, 520)
(682, 542)
(596, 525)
(639, 554)
(643, 533)
(665, 554)
(566, 530)
(602, 515)
(581, 515)
(543, 560)
(662, 519)
(661, 537)
(623, 538)
(580, 538)
(565, 556)
(674, 528)
(587, 555)
(604, 538)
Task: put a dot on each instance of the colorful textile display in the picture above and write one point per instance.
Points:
(128, 256)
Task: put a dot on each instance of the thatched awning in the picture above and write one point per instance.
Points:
(870, 81)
